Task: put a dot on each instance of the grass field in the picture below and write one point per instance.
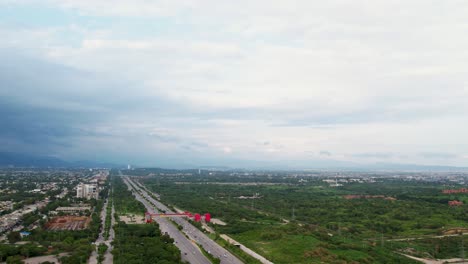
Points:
(295, 222)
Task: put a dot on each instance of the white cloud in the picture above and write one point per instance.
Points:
(343, 76)
(227, 150)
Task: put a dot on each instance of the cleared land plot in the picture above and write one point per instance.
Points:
(68, 223)
(132, 219)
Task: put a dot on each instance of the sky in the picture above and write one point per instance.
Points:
(236, 83)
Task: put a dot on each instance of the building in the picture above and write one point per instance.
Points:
(87, 191)
(73, 209)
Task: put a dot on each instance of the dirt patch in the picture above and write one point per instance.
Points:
(455, 231)
(68, 223)
(41, 259)
(132, 219)
(217, 221)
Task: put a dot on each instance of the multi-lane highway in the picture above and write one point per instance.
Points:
(192, 232)
(189, 250)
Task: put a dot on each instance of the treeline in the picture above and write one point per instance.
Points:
(135, 244)
(124, 201)
(207, 198)
(345, 230)
(419, 208)
(11, 253)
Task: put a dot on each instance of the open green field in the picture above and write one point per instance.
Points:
(290, 220)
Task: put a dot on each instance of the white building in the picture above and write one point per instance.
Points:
(87, 191)
(73, 209)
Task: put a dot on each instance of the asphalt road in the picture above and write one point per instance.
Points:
(192, 232)
(189, 250)
(94, 255)
(108, 257)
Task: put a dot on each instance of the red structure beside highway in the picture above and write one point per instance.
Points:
(455, 203)
(197, 217)
(461, 190)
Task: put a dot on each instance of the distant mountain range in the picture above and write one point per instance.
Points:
(413, 167)
(329, 164)
(10, 159)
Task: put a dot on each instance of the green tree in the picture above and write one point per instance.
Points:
(14, 237)
(14, 260)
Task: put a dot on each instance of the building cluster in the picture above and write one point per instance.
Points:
(78, 209)
(9, 221)
(333, 183)
(87, 191)
(44, 187)
(340, 180)
(7, 190)
(6, 205)
(254, 196)
(90, 190)
(100, 177)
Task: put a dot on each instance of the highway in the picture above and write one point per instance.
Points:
(192, 232)
(189, 250)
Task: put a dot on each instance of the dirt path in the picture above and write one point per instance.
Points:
(425, 237)
(41, 259)
(437, 261)
(246, 249)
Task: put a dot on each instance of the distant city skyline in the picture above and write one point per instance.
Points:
(235, 83)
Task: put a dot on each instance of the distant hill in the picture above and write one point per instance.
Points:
(413, 167)
(10, 159)
(302, 165)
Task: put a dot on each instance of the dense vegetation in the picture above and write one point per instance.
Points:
(308, 221)
(28, 250)
(108, 219)
(143, 244)
(124, 201)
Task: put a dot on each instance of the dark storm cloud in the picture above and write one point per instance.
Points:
(41, 105)
(41, 129)
(35, 81)
(32, 124)
(45, 107)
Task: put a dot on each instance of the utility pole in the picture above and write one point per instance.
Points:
(381, 239)
(462, 250)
